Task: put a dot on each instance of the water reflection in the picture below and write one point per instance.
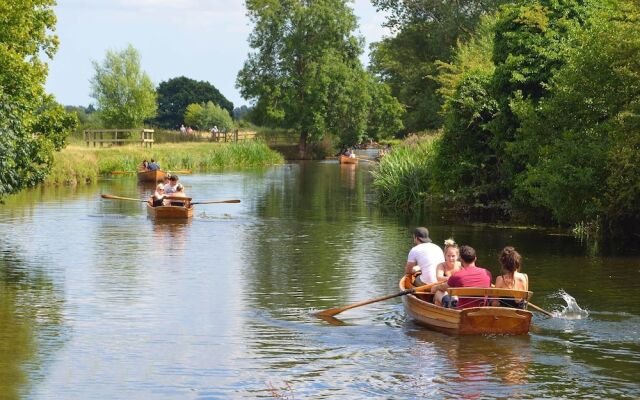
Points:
(31, 323)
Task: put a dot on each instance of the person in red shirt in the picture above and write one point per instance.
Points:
(469, 276)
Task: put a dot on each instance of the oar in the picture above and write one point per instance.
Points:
(180, 171)
(333, 311)
(122, 172)
(112, 197)
(215, 201)
(542, 310)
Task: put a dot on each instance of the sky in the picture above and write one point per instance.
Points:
(205, 40)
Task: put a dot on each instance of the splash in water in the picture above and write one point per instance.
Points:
(572, 310)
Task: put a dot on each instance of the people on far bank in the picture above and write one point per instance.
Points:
(423, 258)
(469, 275)
(183, 129)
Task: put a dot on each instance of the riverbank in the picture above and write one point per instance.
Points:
(78, 164)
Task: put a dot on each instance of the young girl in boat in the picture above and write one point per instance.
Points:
(511, 277)
(158, 196)
(450, 266)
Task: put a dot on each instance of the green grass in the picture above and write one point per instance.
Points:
(79, 164)
(403, 178)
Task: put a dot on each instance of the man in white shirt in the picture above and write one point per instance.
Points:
(424, 256)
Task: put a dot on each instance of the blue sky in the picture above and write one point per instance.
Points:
(200, 39)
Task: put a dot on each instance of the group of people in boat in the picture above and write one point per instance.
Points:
(171, 187)
(152, 165)
(456, 267)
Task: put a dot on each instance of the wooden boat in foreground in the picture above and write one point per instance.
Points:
(175, 212)
(347, 160)
(469, 321)
(151, 176)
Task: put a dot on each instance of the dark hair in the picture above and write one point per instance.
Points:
(510, 259)
(173, 178)
(467, 254)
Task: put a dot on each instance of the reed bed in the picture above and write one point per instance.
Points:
(78, 164)
(403, 177)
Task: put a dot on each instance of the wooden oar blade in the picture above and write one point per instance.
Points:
(540, 309)
(112, 197)
(215, 201)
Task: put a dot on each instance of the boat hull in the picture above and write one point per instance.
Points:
(469, 321)
(347, 160)
(151, 176)
(169, 212)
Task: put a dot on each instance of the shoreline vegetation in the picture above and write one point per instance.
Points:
(77, 164)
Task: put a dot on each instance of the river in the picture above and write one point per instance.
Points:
(97, 301)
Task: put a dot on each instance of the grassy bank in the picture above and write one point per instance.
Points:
(404, 175)
(79, 164)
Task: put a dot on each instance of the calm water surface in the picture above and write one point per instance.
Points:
(99, 302)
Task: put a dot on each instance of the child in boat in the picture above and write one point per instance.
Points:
(170, 185)
(158, 196)
(511, 277)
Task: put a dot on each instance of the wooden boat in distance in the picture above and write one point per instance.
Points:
(347, 160)
(469, 321)
(174, 212)
(151, 176)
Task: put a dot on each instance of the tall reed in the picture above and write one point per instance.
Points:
(78, 164)
(404, 176)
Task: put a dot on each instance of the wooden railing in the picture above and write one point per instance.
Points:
(119, 136)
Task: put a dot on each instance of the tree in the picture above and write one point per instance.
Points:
(124, 93)
(176, 94)
(32, 125)
(305, 73)
(206, 116)
(426, 32)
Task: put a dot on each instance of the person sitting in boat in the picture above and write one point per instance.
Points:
(158, 196)
(469, 275)
(170, 187)
(423, 258)
(178, 193)
(446, 269)
(511, 277)
(144, 166)
(153, 165)
(349, 153)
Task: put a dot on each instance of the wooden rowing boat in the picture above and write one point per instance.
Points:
(469, 321)
(174, 212)
(151, 176)
(347, 160)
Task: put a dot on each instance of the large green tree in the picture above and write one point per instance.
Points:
(124, 93)
(176, 94)
(425, 32)
(206, 116)
(32, 125)
(305, 73)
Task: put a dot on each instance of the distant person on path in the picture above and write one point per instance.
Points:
(423, 258)
(469, 276)
(511, 277)
(183, 130)
(153, 165)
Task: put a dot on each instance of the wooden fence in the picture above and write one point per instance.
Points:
(118, 136)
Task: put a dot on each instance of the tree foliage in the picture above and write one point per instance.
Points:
(124, 93)
(206, 116)
(305, 73)
(426, 32)
(32, 125)
(176, 94)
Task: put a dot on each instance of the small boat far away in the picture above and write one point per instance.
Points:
(151, 176)
(347, 160)
(469, 321)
